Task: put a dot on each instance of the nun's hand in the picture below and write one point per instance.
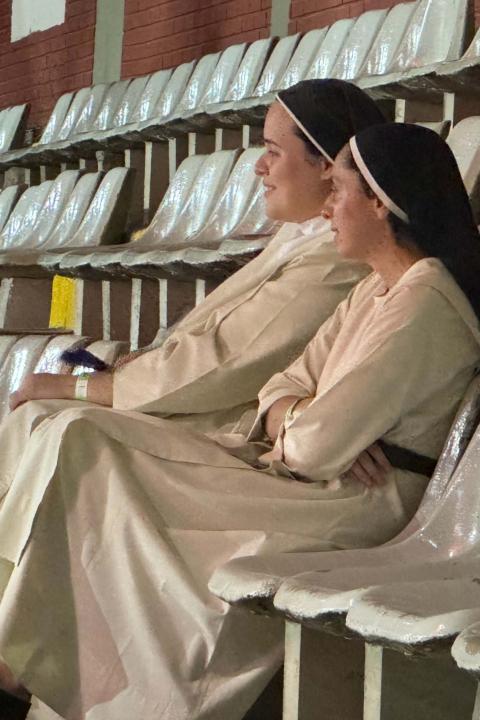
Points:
(370, 468)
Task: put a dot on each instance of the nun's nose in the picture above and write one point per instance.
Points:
(261, 166)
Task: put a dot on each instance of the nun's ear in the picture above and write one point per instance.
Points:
(380, 209)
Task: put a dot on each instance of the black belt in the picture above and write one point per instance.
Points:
(408, 459)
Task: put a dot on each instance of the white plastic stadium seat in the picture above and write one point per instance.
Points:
(473, 50)
(255, 580)
(106, 350)
(10, 120)
(197, 85)
(21, 360)
(109, 107)
(129, 102)
(466, 649)
(386, 44)
(155, 86)
(436, 33)
(173, 202)
(223, 75)
(90, 109)
(24, 215)
(72, 115)
(276, 65)
(74, 211)
(104, 218)
(464, 142)
(56, 119)
(333, 42)
(358, 44)
(49, 361)
(8, 198)
(174, 90)
(51, 210)
(233, 202)
(302, 58)
(249, 71)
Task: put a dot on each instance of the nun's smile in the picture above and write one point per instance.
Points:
(295, 185)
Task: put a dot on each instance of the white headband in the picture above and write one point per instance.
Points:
(304, 130)
(372, 183)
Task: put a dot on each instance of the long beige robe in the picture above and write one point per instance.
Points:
(124, 516)
(253, 325)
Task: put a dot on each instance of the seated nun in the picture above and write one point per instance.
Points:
(211, 367)
(108, 542)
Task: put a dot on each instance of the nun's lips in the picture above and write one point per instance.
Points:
(268, 188)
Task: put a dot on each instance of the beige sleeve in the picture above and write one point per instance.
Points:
(226, 362)
(409, 358)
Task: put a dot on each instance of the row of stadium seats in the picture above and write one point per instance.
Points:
(378, 42)
(212, 199)
(414, 594)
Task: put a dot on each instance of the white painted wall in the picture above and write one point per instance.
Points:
(29, 16)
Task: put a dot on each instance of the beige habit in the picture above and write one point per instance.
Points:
(125, 516)
(253, 325)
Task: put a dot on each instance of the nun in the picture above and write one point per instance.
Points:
(105, 608)
(211, 367)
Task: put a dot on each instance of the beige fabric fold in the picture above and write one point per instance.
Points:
(115, 520)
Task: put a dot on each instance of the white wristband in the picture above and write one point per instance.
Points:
(81, 387)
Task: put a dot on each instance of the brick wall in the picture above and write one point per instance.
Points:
(165, 33)
(42, 66)
(308, 14)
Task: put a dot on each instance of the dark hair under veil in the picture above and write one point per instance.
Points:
(417, 171)
(330, 111)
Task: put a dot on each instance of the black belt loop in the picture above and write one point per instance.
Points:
(408, 459)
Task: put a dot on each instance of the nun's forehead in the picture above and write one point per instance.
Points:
(278, 118)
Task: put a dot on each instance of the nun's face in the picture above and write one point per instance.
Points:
(359, 220)
(296, 183)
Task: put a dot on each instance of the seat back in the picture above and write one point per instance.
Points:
(90, 109)
(71, 117)
(249, 71)
(174, 201)
(255, 220)
(210, 180)
(174, 90)
(473, 50)
(57, 118)
(233, 201)
(10, 125)
(223, 75)
(50, 361)
(24, 215)
(464, 142)
(20, 361)
(276, 65)
(302, 58)
(130, 100)
(113, 98)
(387, 42)
(150, 96)
(106, 350)
(197, 84)
(51, 210)
(358, 44)
(8, 198)
(436, 33)
(324, 60)
(105, 219)
(74, 211)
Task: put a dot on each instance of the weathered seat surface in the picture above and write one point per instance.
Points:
(197, 85)
(50, 361)
(276, 65)
(24, 215)
(129, 102)
(111, 101)
(435, 33)
(358, 44)
(90, 109)
(249, 71)
(386, 44)
(333, 42)
(10, 120)
(302, 58)
(8, 198)
(72, 115)
(170, 97)
(74, 211)
(150, 96)
(222, 76)
(466, 649)
(51, 210)
(56, 119)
